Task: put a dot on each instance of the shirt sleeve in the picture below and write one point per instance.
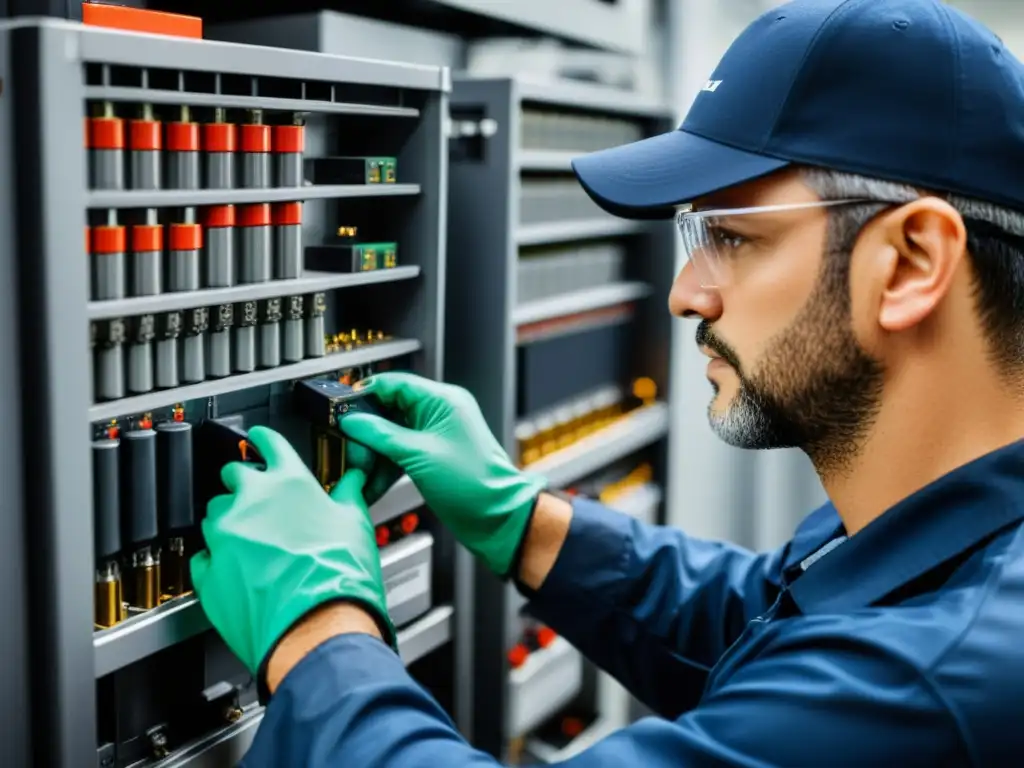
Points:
(831, 701)
(651, 606)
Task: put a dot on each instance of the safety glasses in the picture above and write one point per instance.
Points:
(713, 239)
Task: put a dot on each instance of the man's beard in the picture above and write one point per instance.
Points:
(814, 388)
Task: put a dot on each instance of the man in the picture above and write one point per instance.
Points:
(856, 256)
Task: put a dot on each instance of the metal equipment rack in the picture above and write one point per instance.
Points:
(513, 205)
(59, 675)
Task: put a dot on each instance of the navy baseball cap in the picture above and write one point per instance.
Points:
(904, 90)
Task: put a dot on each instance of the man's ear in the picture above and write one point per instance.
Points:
(926, 241)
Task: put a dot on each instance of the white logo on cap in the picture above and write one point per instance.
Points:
(711, 86)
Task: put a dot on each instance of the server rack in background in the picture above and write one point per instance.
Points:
(557, 322)
(208, 179)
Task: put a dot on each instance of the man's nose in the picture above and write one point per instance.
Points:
(690, 299)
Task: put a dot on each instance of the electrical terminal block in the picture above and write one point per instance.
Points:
(352, 170)
(346, 254)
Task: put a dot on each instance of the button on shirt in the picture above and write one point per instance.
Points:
(902, 645)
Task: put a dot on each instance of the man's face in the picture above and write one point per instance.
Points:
(786, 369)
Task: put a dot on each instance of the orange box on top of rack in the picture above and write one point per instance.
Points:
(141, 20)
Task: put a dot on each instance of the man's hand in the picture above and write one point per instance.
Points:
(278, 547)
(463, 473)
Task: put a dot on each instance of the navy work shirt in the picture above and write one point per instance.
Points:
(901, 646)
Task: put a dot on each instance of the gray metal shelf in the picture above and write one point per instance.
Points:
(584, 229)
(489, 333)
(371, 353)
(426, 634)
(228, 746)
(546, 160)
(116, 93)
(180, 619)
(51, 71)
(628, 435)
(310, 282)
(170, 198)
(579, 301)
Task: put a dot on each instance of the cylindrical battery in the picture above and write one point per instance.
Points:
(107, 245)
(293, 348)
(105, 141)
(255, 222)
(106, 498)
(147, 255)
(183, 153)
(270, 333)
(184, 246)
(138, 487)
(220, 246)
(174, 477)
(246, 318)
(254, 142)
(145, 143)
(289, 142)
(140, 354)
(218, 347)
(108, 363)
(287, 240)
(168, 331)
(316, 307)
(193, 348)
(220, 141)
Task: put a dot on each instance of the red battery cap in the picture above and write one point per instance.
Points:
(383, 536)
(183, 137)
(220, 137)
(147, 238)
(410, 523)
(545, 636)
(219, 216)
(106, 133)
(289, 138)
(518, 655)
(185, 237)
(287, 214)
(257, 215)
(144, 135)
(255, 138)
(109, 239)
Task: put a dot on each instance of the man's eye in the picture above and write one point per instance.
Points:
(726, 239)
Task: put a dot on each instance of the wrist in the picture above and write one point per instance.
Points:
(544, 538)
(315, 628)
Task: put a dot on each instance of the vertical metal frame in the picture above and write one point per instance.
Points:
(14, 630)
(480, 356)
(481, 349)
(54, 334)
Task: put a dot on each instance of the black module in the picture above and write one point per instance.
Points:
(324, 402)
(106, 498)
(138, 486)
(216, 444)
(174, 476)
(350, 170)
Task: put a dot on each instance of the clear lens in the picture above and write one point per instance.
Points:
(699, 248)
(712, 247)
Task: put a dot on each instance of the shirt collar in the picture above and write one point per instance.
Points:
(921, 532)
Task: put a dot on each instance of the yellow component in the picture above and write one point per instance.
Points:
(645, 390)
(368, 262)
(347, 231)
(146, 578)
(390, 259)
(374, 175)
(109, 606)
(389, 175)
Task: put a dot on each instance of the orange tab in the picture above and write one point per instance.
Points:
(141, 20)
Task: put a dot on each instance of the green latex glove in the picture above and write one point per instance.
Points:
(278, 547)
(459, 467)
